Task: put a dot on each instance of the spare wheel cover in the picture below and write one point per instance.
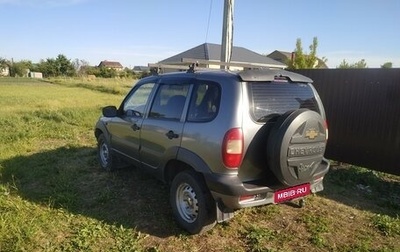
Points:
(296, 146)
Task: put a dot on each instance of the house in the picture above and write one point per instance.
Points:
(284, 57)
(111, 65)
(207, 53)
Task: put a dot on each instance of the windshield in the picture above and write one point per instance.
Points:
(268, 99)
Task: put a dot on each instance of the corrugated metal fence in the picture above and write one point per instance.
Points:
(363, 113)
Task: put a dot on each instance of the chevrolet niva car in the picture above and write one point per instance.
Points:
(221, 140)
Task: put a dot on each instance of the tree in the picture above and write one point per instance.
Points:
(60, 66)
(20, 68)
(344, 64)
(358, 64)
(387, 65)
(126, 73)
(302, 60)
(143, 74)
(34, 67)
(48, 67)
(92, 70)
(64, 66)
(107, 72)
(3, 64)
(80, 66)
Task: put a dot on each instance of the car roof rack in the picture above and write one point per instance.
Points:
(191, 65)
(233, 64)
(157, 68)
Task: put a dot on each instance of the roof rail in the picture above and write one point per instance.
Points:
(190, 65)
(170, 66)
(190, 68)
(234, 64)
(194, 64)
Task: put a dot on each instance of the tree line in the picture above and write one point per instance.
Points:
(303, 60)
(62, 66)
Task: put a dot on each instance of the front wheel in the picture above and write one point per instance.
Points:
(104, 154)
(191, 203)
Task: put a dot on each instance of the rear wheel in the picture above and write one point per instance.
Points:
(191, 203)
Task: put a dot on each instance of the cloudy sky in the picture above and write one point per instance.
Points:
(141, 32)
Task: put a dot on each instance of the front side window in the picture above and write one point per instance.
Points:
(169, 101)
(135, 104)
(276, 98)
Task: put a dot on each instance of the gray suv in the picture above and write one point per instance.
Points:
(221, 140)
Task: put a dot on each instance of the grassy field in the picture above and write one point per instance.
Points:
(54, 197)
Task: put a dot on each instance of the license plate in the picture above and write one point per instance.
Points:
(291, 193)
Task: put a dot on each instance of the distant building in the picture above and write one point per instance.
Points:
(284, 57)
(111, 65)
(36, 75)
(207, 53)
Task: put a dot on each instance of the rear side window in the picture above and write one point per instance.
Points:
(276, 98)
(205, 101)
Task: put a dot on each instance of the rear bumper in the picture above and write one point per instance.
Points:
(227, 189)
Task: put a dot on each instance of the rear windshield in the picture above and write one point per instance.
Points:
(268, 99)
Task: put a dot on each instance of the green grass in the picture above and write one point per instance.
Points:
(317, 225)
(54, 197)
(258, 238)
(111, 86)
(47, 149)
(387, 225)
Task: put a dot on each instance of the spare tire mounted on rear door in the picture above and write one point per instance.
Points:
(296, 146)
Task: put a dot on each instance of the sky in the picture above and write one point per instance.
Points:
(136, 32)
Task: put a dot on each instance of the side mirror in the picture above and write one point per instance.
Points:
(110, 111)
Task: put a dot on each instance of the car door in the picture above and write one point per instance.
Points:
(125, 128)
(161, 131)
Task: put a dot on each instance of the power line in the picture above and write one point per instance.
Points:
(209, 18)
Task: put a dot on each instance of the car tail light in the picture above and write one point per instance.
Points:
(326, 129)
(232, 148)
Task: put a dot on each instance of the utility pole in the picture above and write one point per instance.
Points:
(227, 33)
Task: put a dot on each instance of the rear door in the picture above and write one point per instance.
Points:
(161, 131)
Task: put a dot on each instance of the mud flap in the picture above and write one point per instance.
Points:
(223, 214)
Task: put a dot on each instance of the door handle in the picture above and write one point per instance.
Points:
(171, 135)
(135, 127)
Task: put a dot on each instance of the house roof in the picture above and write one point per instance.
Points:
(111, 64)
(278, 55)
(283, 57)
(212, 52)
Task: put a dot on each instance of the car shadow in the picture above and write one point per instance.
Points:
(70, 178)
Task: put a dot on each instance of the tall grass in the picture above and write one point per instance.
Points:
(112, 86)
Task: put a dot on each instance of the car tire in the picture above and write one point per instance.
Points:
(191, 202)
(296, 146)
(104, 154)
